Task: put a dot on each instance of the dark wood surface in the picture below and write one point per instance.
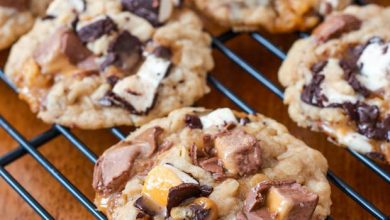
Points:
(78, 169)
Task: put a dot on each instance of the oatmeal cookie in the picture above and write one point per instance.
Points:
(277, 16)
(338, 80)
(94, 64)
(221, 164)
(17, 17)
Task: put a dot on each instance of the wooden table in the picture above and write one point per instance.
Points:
(78, 169)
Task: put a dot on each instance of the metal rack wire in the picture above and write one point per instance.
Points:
(31, 146)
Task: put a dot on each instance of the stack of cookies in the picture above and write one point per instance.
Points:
(94, 64)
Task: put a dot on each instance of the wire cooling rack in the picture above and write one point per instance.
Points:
(31, 146)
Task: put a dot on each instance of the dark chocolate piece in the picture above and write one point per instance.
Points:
(311, 93)
(125, 43)
(368, 121)
(148, 9)
(205, 190)
(144, 206)
(96, 29)
(193, 122)
(351, 69)
(182, 192)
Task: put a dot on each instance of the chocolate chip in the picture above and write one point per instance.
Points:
(163, 52)
(336, 25)
(311, 93)
(178, 194)
(125, 43)
(193, 122)
(96, 29)
(147, 9)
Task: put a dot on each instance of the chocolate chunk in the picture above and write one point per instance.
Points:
(368, 121)
(182, 192)
(349, 64)
(199, 212)
(20, 5)
(311, 93)
(96, 29)
(163, 52)
(205, 190)
(123, 52)
(193, 122)
(147, 9)
(125, 43)
(240, 152)
(336, 25)
(145, 206)
(114, 167)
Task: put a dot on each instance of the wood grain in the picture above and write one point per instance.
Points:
(78, 169)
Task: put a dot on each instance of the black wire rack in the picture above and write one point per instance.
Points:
(31, 146)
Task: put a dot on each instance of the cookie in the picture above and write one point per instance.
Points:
(338, 80)
(277, 16)
(221, 164)
(17, 18)
(94, 64)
